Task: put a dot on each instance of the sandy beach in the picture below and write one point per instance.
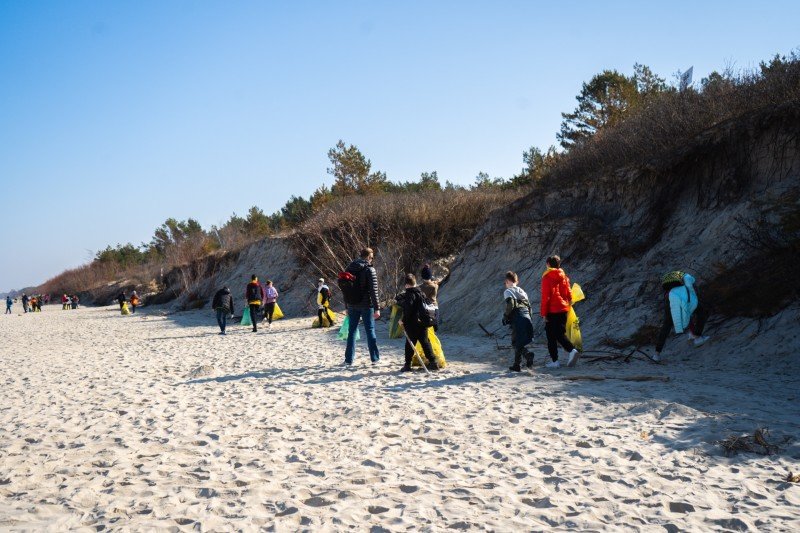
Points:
(154, 421)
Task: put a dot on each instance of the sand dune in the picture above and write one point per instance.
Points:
(154, 422)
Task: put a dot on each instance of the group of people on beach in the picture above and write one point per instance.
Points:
(69, 302)
(123, 301)
(262, 300)
(419, 312)
(33, 303)
(30, 304)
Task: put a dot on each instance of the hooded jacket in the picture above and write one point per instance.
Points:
(682, 303)
(411, 301)
(256, 288)
(556, 294)
(270, 295)
(223, 300)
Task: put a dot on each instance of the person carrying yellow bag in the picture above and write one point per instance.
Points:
(555, 305)
(271, 309)
(324, 317)
(418, 318)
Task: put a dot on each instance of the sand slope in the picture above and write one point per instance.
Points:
(102, 426)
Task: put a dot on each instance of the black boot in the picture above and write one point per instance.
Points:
(515, 368)
(406, 368)
(529, 359)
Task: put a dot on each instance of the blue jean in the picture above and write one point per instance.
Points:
(355, 316)
(222, 319)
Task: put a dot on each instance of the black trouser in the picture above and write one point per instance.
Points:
(697, 324)
(521, 352)
(133, 307)
(269, 310)
(254, 315)
(324, 312)
(417, 333)
(556, 330)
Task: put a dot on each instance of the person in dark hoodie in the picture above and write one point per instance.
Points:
(25, 301)
(411, 302)
(254, 294)
(517, 314)
(556, 301)
(364, 307)
(223, 305)
(121, 299)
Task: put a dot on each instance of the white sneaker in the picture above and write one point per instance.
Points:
(656, 358)
(699, 341)
(574, 355)
(552, 364)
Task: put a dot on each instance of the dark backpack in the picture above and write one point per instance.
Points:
(253, 292)
(352, 286)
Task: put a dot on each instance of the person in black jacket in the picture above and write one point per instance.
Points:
(121, 299)
(411, 302)
(366, 307)
(223, 305)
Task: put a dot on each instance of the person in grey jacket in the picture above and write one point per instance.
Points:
(366, 307)
(223, 305)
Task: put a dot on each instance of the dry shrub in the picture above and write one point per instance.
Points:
(405, 229)
(672, 119)
(755, 443)
(766, 281)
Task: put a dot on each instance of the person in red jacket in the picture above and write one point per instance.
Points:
(556, 301)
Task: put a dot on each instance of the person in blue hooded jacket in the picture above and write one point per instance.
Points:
(9, 303)
(682, 310)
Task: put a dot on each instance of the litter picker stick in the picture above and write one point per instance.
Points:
(422, 362)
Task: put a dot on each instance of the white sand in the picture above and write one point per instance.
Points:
(100, 425)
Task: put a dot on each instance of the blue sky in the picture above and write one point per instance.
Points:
(117, 115)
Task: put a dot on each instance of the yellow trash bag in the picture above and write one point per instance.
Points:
(573, 322)
(277, 314)
(438, 352)
(328, 319)
(125, 310)
(396, 329)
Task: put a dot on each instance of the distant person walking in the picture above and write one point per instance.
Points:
(270, 300)
(324, 304)
(361, 297)
(134, 301)
(556, 302)
(25, 301)
(64, 302)
(517, 314)
(223, 305)
(9, 303)
(414, 323)
(76, 301)
(682, 310)
(254, 295)
(121, 299)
